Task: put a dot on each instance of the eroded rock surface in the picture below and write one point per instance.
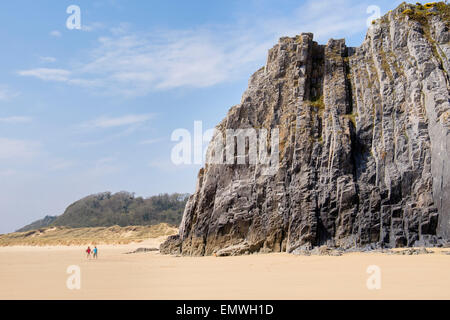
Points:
(364, 147)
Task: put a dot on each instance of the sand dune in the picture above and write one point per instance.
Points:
(40, 273)
(86, 236)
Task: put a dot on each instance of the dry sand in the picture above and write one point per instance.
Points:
(40, 273)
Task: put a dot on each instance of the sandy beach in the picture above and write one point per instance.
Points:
(41, 273)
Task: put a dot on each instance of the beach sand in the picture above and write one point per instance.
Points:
(41, 273)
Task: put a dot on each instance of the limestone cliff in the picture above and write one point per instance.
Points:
(364, 146)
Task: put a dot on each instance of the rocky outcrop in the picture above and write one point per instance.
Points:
(364, 147)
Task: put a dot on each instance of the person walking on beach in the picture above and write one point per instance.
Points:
(88, 251)
(95, 251)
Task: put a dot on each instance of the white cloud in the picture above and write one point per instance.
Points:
(90, 143)
(122, 29)
(127, 124)
(105, 166)
(151, 141)
(126, 120)
(55, 33)
(92, 27)
(61, 164)
(47, 74)
(6, 93)
(15, 120)
(131, 63)
(18, 149)
(47, 59)
(135, 64)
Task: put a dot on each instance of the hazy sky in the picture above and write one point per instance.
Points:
(92, 110)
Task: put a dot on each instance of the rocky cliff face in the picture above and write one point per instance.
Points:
(364, 146)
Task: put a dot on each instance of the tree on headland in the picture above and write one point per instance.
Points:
(123, 208)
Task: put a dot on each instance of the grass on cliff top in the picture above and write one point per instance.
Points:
(421, 13)
(86, 236)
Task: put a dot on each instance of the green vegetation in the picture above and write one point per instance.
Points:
(318, 104)
(397, 67)
(421, 14)
(42, 223)
(406, 135)
(417, 14)
(430, 5)
(385, 64)
(122, 209)
(408, 12)
(444, 10)
(445, 117)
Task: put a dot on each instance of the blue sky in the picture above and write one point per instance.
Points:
(92, 110)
